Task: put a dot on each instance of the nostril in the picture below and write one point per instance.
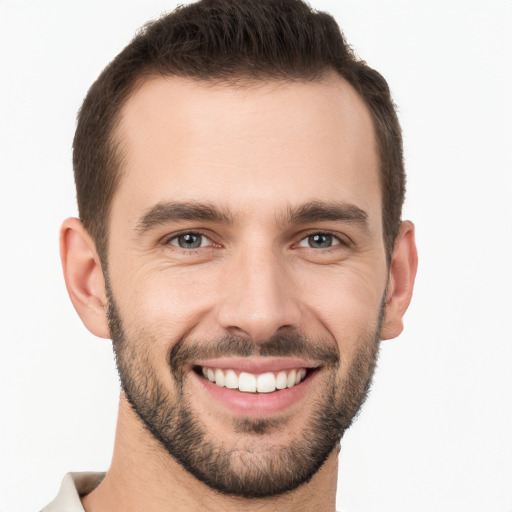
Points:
(237, 332)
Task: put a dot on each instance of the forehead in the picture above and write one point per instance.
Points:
(264, 144)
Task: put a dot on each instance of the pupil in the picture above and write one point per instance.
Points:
(319, 241)
(190, 241)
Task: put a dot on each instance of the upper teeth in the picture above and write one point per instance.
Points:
(250, 383)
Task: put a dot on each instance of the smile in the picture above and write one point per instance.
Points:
(245, 382)
(254, 386)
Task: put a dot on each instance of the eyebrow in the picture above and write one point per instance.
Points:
(315, 211)
(319, 211)
(172, 211)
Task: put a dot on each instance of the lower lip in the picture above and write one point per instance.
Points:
(255, 404)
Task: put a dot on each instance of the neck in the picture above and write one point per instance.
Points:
(143, 476)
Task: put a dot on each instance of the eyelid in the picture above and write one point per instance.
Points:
(342, 239)
(166, 240)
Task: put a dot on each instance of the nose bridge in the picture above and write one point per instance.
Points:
(258, 298)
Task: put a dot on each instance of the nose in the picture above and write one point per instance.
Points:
(258, 296)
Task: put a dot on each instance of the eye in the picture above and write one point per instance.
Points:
(190, 241)
(320, 241)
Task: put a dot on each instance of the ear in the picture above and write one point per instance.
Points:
(404, 263)
(83, 276)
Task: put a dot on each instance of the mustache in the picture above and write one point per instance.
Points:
(290, 344)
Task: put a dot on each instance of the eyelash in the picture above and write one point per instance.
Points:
(336, 237)
(341, 242)
(176, 236)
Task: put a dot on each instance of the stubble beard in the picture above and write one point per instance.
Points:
(254, 467)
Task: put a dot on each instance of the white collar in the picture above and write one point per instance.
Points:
(73, 486)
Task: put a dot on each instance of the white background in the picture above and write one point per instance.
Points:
(436, 432)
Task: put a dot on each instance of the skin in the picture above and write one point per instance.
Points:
(256, 152)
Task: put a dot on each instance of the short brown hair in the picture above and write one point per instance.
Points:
(226, 41)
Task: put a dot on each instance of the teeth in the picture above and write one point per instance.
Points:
(231, 380)
(290, 381)
(249, 383)
(266, 383)
(219, 378)
(281, 380)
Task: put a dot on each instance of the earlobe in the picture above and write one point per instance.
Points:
(84, 276)
(404, 263)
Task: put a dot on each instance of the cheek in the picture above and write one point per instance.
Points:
(347, 304)
(165, 302)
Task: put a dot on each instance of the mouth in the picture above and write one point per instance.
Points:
(246, 382)
(254, 387)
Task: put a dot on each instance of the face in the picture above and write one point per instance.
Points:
(247, 274)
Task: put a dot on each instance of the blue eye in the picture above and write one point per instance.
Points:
(189, 241)
(319, 241)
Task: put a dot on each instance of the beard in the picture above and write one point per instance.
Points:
(255, 466)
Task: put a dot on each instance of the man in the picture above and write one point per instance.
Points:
(240, 181)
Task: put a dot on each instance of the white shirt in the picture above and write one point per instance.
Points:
(73, 486)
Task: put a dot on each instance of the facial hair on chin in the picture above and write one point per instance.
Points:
(256, 468)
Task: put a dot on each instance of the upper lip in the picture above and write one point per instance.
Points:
(257, 365)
